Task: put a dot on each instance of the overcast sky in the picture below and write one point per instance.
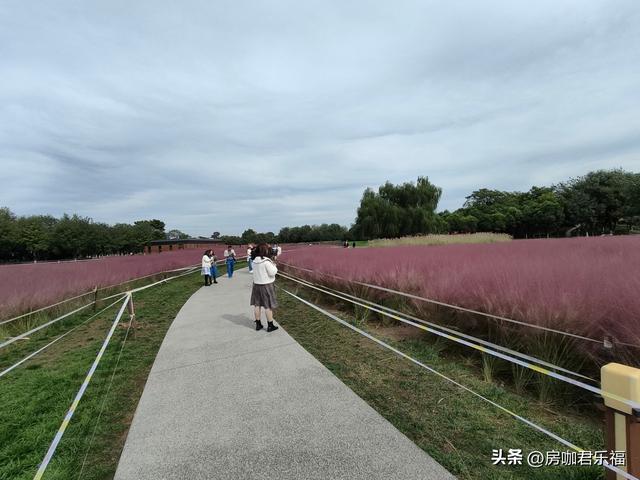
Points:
(222, 116)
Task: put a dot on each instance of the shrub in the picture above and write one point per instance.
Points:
(442, 239)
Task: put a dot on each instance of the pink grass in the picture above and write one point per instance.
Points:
(27, 287)
(588, 286)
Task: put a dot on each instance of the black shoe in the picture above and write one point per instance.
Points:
(271, 327)
(259, 325)
(214, 282)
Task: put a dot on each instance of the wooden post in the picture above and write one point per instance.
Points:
(130, 308)
(95, 298)
(622, 425)
(132, 313)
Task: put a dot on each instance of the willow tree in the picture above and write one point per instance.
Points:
(398, 210)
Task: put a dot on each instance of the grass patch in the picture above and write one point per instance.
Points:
(454, 427)
(35, 397)
(436, 239)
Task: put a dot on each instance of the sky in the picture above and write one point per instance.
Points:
(227, 115)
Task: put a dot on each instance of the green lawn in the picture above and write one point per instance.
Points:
(36, 396)
(453, 426)
(362, 243)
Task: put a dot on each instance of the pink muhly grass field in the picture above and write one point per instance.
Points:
(29, 286)
(588, 286)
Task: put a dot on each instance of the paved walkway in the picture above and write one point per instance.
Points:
(226, 402)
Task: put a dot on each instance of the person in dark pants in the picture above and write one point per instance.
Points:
(214, 267)
(263, 294)
(250, 248)
(353, 245)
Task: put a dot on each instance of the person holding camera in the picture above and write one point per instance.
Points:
(263, 293)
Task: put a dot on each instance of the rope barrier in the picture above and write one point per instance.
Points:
(79, 395)
(89, 293)
(146, 276)
(165, 280)
(341, 294)
(457, 307)
(541, 429)
(45, 308)
(62, 317)
(634, 405)
(44, 325)
(192, 269)
(74, 405)
(31, 355)
(104, 397)
(128, 296)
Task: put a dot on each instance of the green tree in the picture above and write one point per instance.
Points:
(176, 234)
(35, 235)
(157, 224)
(72, 237)
(123, 238)
(312, 233)
(266, 237)
(542, 212)
(598, 201)
(249, 236)
(144, 231)
(397, 210)
(231, 239)
(8, 240)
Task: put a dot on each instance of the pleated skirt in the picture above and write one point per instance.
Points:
(264, 296)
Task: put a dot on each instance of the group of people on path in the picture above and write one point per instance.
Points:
(261, 260)
(209, 266)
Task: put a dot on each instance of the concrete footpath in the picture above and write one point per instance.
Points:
(226, 402)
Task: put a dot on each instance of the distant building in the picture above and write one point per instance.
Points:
(159, 246)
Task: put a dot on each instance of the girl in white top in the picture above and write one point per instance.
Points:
(263, 294)
(206, 267)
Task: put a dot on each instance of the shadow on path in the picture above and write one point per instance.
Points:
(241, 320)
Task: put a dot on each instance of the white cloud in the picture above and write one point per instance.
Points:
(258, 114)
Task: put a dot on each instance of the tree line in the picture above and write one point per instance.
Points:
(305, 234)
(601, 202)
(44, 237)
